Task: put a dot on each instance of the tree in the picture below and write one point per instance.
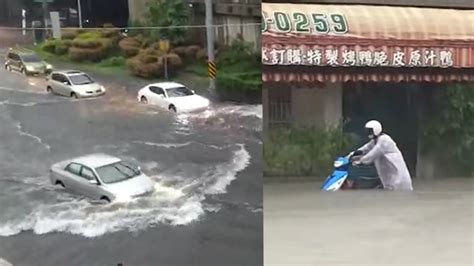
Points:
(168, 13)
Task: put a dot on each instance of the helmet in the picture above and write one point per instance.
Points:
(373, 128)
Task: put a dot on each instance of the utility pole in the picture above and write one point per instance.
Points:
(45, 15)
(79, 12)
(211, 65)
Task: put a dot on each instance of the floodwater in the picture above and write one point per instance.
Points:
(430, 226)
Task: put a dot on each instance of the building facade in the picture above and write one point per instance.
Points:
(328, 63)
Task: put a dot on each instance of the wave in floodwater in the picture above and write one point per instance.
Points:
(37, 206)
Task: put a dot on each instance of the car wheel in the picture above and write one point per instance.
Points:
(60, 183)
(23, 71)
(144, 100)
(8, 68)
(105, 199)
(49, 89)
(74, 95)
(172, 108)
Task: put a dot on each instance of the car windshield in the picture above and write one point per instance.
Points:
(117, 172)
(81, 79)
(179, 92)
(30, 58)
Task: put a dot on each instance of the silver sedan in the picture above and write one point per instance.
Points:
(72, 83)
(101, 177)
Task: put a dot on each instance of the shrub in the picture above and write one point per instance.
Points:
(69, 35)
(49, 46)
(191, 51)
(239, 51)
(448, 119)
(201, 54)
(149, 63)
(180, 50)
(243, 81)
(89, 35)
(87, 43)
(174, 60)
(62, 47)
(115, 61)
(144, 70)
(304, 151)
(130, 46)
(89, 54)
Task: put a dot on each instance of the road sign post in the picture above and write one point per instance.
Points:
(165, 47)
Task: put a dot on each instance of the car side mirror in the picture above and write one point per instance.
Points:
(139, 168)
(193, 91)
(66, 83)
(93, 182)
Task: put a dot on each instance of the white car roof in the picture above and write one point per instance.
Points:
(69, 72)
(96, 160)
(167, 85)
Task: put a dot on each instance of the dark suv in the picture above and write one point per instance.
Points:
(26, 62)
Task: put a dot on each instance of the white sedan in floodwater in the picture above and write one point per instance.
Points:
(173, 96)
(101, 177)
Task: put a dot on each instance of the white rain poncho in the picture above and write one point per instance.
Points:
(388, 160)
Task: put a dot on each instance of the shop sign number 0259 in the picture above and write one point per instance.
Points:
(305, 23)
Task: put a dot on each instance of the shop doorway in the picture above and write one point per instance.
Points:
(394, 105)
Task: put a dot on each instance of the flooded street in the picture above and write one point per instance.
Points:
(431, 226)
(206, 168)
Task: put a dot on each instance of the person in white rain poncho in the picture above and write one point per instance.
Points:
(384, 153)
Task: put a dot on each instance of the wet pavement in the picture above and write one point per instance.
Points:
(431, 226)
(207, 167)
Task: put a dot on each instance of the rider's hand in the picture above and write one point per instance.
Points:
(350, 154)
(356, 163)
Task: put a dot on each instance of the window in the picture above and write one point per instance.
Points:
(61, 78)
(30, 58)
(87, 173)
(279, 106)
(13, 56)
(157, 90)
(81, 79)
(117, 172)
(179, 92)
(56, 77)
(73, 168)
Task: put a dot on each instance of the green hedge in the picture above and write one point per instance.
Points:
(244, 81)
(304, 151)
(449, 127)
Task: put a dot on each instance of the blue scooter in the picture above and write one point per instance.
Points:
(338, 180)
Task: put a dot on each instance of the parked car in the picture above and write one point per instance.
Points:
(72, 83)
(173, 96)
(101, 177)
(26, 62)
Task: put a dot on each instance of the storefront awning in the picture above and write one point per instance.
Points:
(356, 36)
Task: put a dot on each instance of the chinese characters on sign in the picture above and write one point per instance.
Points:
(348, 57)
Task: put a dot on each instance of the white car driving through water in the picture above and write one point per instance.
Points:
(101, 177)
(172, 96)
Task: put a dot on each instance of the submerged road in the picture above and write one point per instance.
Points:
(208, 206)
(431, 226)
